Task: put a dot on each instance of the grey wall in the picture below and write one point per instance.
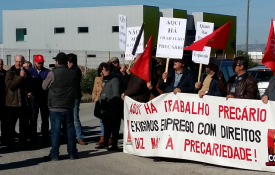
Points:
(40, 26)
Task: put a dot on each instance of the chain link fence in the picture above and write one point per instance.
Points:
(89, 59)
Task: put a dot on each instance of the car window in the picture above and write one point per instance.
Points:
(263, 75)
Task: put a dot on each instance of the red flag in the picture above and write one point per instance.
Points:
(217, 39)
(141, 66)
(269, 55)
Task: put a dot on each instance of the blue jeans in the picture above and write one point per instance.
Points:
(77, 123)
(56, 120)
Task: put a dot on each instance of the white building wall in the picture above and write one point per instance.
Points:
(40, 26)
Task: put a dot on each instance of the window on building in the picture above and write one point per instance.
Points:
(8, 59)
(115, 29)
(59, 30)
(83, 29)
(91, 55)
(21, 34)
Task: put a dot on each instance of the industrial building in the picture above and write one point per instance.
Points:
(91, 32)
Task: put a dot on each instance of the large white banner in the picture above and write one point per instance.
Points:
(234, 133)
(171, 37)
(122, 22)
(203, 29)
(132, 33)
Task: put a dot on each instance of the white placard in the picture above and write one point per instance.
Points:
(132, 33)
(122, 21)
(171, 38)
(203, 29)
(235, 132)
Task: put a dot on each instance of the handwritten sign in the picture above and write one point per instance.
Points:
(171, 37)
(203, 29)
(122, 21)
(132, 33)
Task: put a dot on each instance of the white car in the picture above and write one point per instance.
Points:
(262, 74)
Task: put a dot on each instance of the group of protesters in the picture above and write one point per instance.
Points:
(27, 90)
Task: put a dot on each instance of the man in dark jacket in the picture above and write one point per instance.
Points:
(209, 82)
(62, 85)
(19, 88)
(179, 79)
(72, 64)
(269, 93)
(137, 88)
(3, 119)
(242, 85)
(111, 107)
(40, 97)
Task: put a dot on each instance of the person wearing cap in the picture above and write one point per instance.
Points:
(39, 100)
(179, 79)
(242, 85)
(72, 64)
(19, 88)
(61, 82)
(123, 82)
(208, 84)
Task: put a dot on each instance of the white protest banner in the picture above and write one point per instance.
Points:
(171, 37)
(132, 33)
(235, 132)
(122, 21)
(203, 29)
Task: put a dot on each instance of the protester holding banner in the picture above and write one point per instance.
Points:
(137, 88)
(269, 92)
(179, 79)
(125, 75)
(242, 85)
(111, 106)
(209, 85)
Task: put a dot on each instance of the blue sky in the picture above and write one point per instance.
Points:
(260, 11)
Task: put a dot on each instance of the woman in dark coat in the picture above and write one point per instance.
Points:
(111, 106)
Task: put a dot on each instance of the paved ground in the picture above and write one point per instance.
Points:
(92, 161)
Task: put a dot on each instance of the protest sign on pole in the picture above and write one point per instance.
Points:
(234, 133)
(132, 33)
(122, 21)
(171, 38)
(203, 29)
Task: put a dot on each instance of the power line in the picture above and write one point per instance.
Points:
(195, 7)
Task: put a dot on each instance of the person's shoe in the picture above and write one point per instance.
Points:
(100, 141)
(110, 141)
(81, 142)
(73, 157)
(48, 158)
(101, 147)
(113, 148)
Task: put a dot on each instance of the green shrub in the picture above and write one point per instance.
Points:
(87, 82)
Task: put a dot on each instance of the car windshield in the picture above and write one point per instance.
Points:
(261, 75)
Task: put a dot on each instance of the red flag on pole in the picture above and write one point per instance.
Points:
(269, 55)
(217, 39)
(141, 66)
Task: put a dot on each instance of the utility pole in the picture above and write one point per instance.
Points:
(247, 22)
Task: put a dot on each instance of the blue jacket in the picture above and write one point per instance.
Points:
(186, 83)
(38, 80)
(213, 87)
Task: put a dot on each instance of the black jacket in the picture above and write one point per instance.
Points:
(79, 77)
(2, 87)
(186, 83)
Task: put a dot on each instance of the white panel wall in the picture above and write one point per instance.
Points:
(40, 26)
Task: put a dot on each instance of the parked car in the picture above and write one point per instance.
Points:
(226, 68)
(262, 74)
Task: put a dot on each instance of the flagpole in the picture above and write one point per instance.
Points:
(222, 59)
(199, 78)
(166, 69)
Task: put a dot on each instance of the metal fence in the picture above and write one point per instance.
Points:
(89, 59)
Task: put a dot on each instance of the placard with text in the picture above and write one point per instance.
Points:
(132, 33)
(203, 29)
(235, 132)
(122, 22)
(171, 38)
